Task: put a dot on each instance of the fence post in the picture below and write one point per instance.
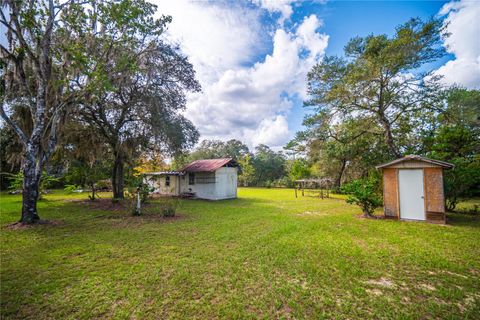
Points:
(137, 210)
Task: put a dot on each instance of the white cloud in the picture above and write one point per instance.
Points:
(245, 94)
(215, 37)
(271, 132)
(284, 7)
(462, 18)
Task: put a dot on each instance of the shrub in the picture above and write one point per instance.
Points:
(145, 191)
(104, 185)
(268, 184)
(474, 210)
(169, 207)
(364, 193)
(46, 181)
(461, 181)
(70, 188)
(168, 211)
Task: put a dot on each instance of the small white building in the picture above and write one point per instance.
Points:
(212, 179)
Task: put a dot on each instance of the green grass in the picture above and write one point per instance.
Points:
(264, 255)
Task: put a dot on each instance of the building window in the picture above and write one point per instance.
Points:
(205, 178)
(191, 178)
(167, 181)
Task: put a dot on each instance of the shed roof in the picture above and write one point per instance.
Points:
(208, 165)
(411, 157)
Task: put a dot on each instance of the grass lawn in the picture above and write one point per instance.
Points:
(264, 255)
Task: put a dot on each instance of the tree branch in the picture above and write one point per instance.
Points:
(15, 127)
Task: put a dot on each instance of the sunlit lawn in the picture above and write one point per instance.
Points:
(264, 255)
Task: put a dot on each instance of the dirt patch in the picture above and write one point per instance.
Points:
(124, 220)
(38, 224)
(455, 274)
(469, 302)
(382, 282)
(362, 216)
(312, 214)
(427, 287)
(104, 204)
(375, 292)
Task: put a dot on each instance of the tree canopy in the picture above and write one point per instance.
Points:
(105, 64)
(378, 78)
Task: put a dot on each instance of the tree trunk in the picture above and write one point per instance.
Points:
(118, 178)
(389, 136)
(366, 214)
(93, 197)
(338, 180)
(31, 182)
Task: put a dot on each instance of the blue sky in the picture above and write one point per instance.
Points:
(346, 19)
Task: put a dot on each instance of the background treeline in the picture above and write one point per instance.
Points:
(344, 151)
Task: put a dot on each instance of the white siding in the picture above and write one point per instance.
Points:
(226, 185)
(201, 190)
(158, 182)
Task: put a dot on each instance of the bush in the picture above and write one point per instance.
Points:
(169, 207)
(474, 210)
(365, 193)
(70, 188)
(268, 184)
(104, 185)
(168, 211)
(145, 191)
(46, 181)
(461, 181)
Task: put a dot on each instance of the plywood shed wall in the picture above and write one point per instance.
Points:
(434, 195)
(432, 186)
(390, 192)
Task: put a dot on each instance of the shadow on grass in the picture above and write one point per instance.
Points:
(463, 220)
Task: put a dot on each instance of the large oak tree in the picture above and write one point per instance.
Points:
(143, 91)
(379, 78)
(41, 69)
(65, 58)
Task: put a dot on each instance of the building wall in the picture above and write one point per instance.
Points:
(226, 183)
(434, 194)
(158, 182)
(200, 188)
(390, 192)
(221, 184)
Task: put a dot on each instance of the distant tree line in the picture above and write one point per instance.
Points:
(261, 167)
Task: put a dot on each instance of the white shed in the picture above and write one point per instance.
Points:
(212, 179)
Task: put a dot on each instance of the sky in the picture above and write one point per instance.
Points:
(251, 57)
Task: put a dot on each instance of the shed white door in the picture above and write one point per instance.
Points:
(411, 194)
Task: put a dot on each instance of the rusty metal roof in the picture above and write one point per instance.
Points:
(439, 163)
(208, 165)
